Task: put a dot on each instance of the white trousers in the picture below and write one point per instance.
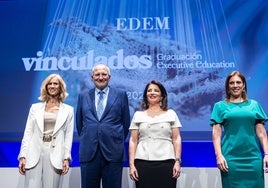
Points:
(43, 175)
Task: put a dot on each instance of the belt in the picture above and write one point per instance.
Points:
(47, 138)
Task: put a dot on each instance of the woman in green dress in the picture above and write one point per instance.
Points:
(239, 136)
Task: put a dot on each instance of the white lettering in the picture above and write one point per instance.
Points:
(222, 64)
(49, 63)
(121, 24)
(161, 25)
(145, 23)
(130, 62)
(182, 65)
(118, 61)
(178, 57)
(28, 63)
(146, 62)
(63, 63)
(134, 23)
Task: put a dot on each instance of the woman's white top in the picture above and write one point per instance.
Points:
(49, 122)
(155, 137)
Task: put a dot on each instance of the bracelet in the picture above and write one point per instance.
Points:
(178, 159)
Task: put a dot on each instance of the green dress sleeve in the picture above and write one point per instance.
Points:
(261, 116)
(217, 115)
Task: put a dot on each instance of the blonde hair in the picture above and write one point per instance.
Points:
(44, 96)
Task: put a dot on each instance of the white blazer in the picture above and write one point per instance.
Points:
(62, 137)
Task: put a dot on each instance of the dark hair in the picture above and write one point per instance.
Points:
(227, 89)
(164, 101)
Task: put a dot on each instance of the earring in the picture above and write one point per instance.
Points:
(160, 103)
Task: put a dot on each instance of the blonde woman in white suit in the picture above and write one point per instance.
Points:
(45, 151)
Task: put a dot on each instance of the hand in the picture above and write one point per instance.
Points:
(22, 162)
(133, 173)
(176, 170)
(265, 163)
(65, 166)
(222, 164)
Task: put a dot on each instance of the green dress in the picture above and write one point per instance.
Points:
(240, 144)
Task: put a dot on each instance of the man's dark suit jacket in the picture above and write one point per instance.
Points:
(108, 133)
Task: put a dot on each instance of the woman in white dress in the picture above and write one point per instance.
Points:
(155, 141)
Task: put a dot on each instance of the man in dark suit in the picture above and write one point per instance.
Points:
(102, 138)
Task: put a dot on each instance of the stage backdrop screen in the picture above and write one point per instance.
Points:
(188, 45)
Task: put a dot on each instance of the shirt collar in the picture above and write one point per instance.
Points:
(105, 90)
